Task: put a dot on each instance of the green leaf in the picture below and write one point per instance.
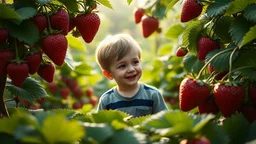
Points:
(238, 6)
(192, 64)
(221, 60)
(222, 27)
(30, 90)
(129, 2)
(164, 50)
(43, 1)
(174, 31)
(9, 125)
(217, 8)
(98, 132)
(137, 120)
(7, 12)
(26, 31)
(28, 134)
(106, 3)
(250, 13)
(83, 69)
(168, 123)
(170, 5)
(159, 11)
(57, 128)
(127, 136)
(238, 29)
(69, 113)
(245, 58)
(69, 60)
(191, 35)
(237, 128)
(25, 13)
(215, 133)
(249, 73)
(107, 116)
(71, 5)
(200, 121)
(252, 131)
(76, 43)
(249, 36)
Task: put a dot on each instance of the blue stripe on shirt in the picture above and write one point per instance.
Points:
(135, 102)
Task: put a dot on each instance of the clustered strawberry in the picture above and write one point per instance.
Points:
(205, 45)
(190, 10)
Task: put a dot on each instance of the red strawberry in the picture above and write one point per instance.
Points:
(53, 87)
(78, 92)
(208, 106)
(205, 45)
(40, 21)
(228, 98)
(4, 34)
(60, 21)
(149, 25)
(201, 140)
(77, 105)
(88, 25)
(55, 47)
(252, 93)
(138, 14)
(18, 72)
(46, 71)
(64, 92)
(5, 57)
(190, 10)
(192, 93)
(89, 92)
(94, 100)
(249, 112)
(34, 62)
(181, 52)
(72, 23)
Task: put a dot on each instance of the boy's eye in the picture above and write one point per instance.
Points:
(136, 62)
(121, 66)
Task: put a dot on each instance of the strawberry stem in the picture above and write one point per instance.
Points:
(240, 68)
(201, 70)
(16, 52)
(230, 63)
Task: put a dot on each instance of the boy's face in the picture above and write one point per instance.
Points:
(126, 71)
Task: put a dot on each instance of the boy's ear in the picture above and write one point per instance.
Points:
(107, 74)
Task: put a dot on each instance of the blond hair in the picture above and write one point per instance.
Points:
(114, 48)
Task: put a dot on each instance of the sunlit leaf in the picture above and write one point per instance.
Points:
(164, 50)
(26, 12)
(191, 35)
(250, 13)
(98, 132)
(169, 123)
(238, 29)
(217, 8)
(200, 121)
(129, 2)
(7, 12)
(69, 113)
(107, 116)
(237, 6)
(106, 3)
(30, 90)
(170, 5)
(237, 128)
(72, 5)
(137, 120)
(56, 128)
(76, 43)
(249, 36)
(174, 31)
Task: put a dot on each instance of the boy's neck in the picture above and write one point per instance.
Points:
(128, 91)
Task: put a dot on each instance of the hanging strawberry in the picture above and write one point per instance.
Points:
(149, 25)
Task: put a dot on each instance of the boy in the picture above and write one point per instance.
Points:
(119, 57)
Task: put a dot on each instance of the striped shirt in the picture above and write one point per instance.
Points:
(148, 100)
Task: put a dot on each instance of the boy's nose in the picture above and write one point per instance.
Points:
(131, 68)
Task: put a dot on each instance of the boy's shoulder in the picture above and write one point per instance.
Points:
(107, 93)
(149, 87)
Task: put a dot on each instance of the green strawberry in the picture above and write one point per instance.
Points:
(190, 10)
(4, 34)
(33, 61)
(5, 57)
(18, 72)
(138, 14)
(40, 21)
(228, 98)
(149, 25)
(192, 93)
(60, 21)
(205, 45)
(46, 71)
(55, 47)
(87, 25)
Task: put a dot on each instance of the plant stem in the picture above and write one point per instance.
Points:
(3, 108)
(217, 54)
(230, 63)
(244, 67)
